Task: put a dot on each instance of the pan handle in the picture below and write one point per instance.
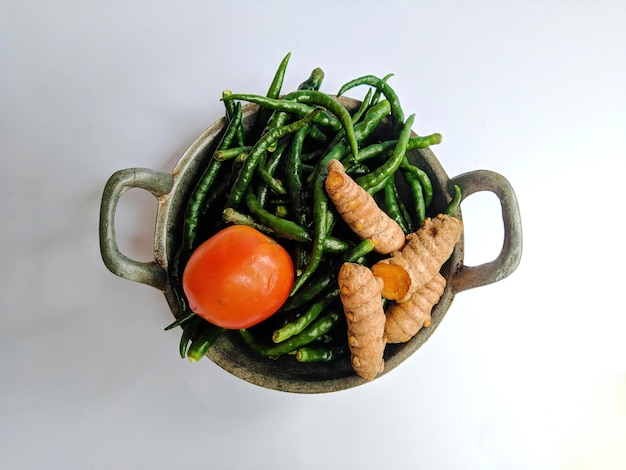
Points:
(159, 184)
(468, 277)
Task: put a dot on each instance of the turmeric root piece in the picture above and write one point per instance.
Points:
(396, 280)
(360, 211)
(360, 294)
(405, 319)
(422, 257)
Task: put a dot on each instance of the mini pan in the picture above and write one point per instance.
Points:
(172, 191)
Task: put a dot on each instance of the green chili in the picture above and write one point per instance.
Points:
(357, 169)
(233, 216)
(257, 151)
(362, 130)
(289, 229)
(298, 325)
(229, 105)
(320, 221)
(199, 194)
(205, 338)
(293, 107)
(380, 148)
(312, 156)
(378, 92)
(267, 168)
(424, 141)
(423, 178)
(311, 354)
(180, 320)
(418, 206)
(281, 211)
(322, 325)
(315, 133)
(314, 82)
(392, 206)
(356, 117)
(321, 212)
(279, 118)
(389, 93)
(316, 286)
(279, 77)
(376, 180)
(272, 183)
(456, 200)
(293, 168)
(361, 249)
(229, 154)
(314, 97)
(273, 92)
(189, 330)
(217, 197)
(365, 104)
(175, 267)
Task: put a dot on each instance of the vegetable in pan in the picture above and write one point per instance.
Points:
(238, 277)
(302, 234)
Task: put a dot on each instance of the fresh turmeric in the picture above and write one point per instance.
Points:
(420, 259)
(405, 319)
(360, 211)
(360, 294)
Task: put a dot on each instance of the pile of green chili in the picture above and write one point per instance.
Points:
(270, 175)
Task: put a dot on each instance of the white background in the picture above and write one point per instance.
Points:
(527, 373)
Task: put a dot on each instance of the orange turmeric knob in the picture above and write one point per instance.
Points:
(396, 280)
(422, 257)
(405, 319)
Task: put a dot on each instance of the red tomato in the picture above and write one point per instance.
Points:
(238, 277)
